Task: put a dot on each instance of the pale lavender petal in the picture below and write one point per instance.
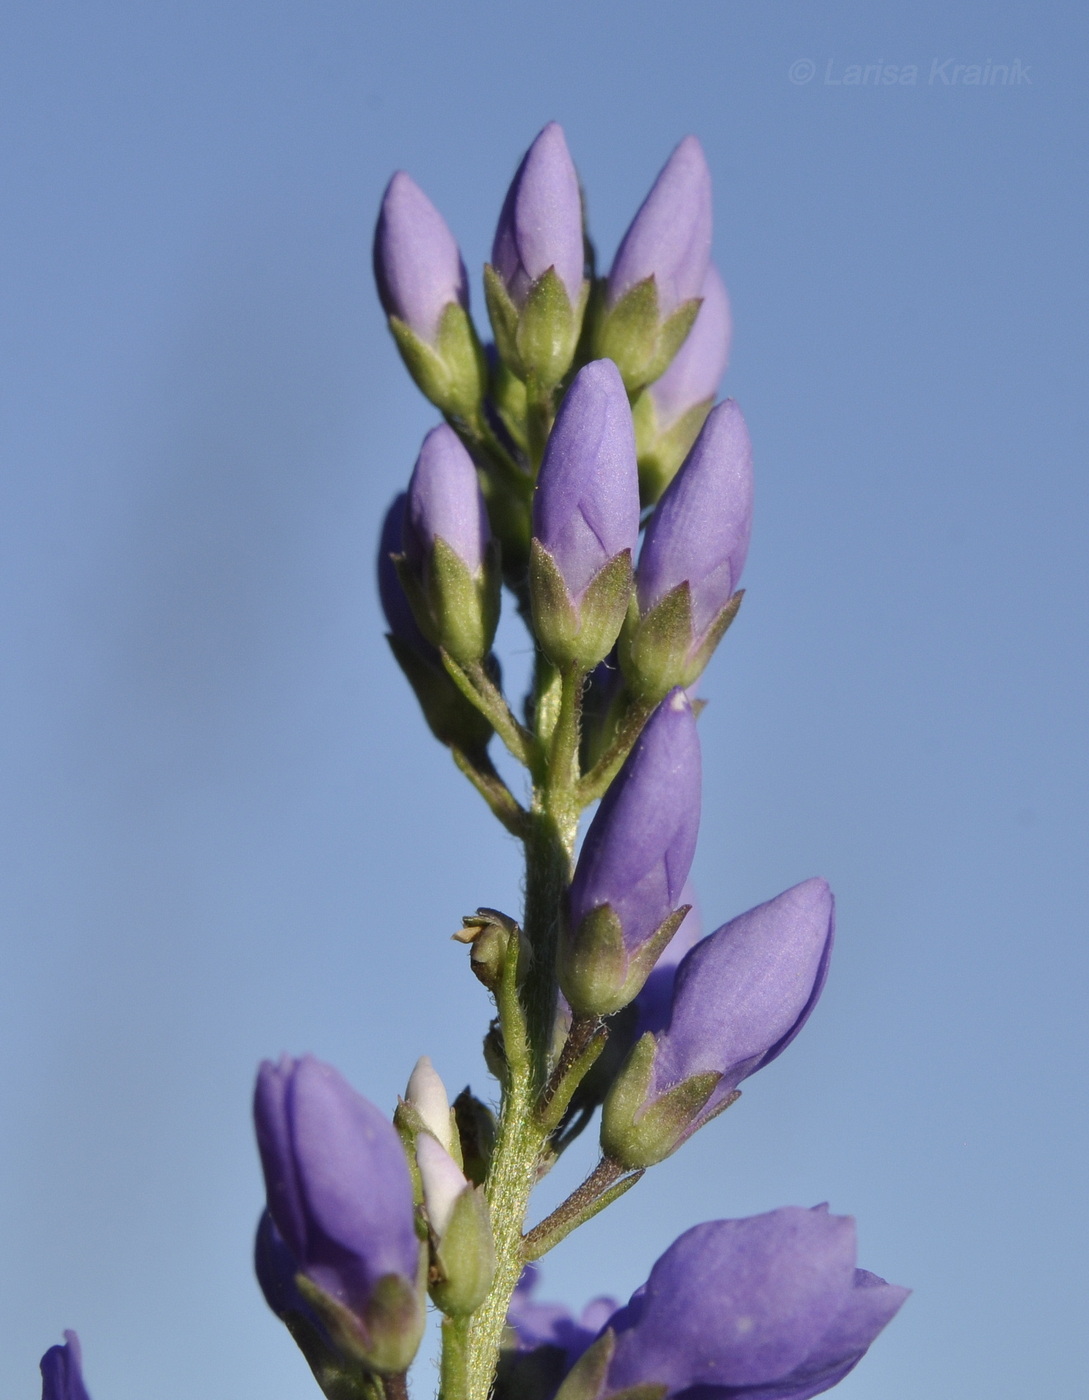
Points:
(417, 265)
(586, 506)
(639, 848)
(744, 993)
(541, 222)
(445, 502)
(670, 236)
(700, 530)
(695, 371)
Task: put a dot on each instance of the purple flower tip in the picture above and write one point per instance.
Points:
(445, 502)
(339, 1190)
(639, 848)
(670, 237)
(771, 1307)
(701, 527)
(62, 1371)
(698, 366)
(743, 993)
(586, 506)
(417, 265)
(540, 225)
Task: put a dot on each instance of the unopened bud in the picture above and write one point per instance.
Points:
(463, 1248)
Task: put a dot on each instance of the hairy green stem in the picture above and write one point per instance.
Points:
(600, 1189)
(482, 692)
(483, 776)
(453, 1380)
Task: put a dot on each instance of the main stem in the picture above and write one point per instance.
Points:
(521, 1137)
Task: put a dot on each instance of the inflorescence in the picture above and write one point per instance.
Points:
(589, 422)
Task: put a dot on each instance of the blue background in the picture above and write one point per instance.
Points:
(226, 832)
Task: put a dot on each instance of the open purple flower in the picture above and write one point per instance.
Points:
(633, 864)
(62, 1371)
(585, 519)
(340, 1196)
(768, 1308)
(741, 996)
(540, 225)
(670, 237)
(417, 265)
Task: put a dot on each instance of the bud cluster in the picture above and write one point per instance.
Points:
(582, 463)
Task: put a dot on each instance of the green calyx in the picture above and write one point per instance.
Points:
(385, 1336)
(538, 340)
(463, 1260)
(633, 334)
(661, 451)
(338, 1377)
(587, 1378)
(451, 371)
(455, 609)
(597, 974)
(637, 1133)
(581, 636)
(657, 650)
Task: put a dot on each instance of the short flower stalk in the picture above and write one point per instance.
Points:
(581, 464)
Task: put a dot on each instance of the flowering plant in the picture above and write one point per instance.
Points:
(589, 422)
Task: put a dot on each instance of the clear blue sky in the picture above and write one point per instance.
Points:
(226, 832)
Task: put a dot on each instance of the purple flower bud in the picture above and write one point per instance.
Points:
(700, 531)
(639, 849)
(417, 265)
(771, 1307)
(340, 1196)
(744, 993)
(586, 506)
(698, 366)
(398, 612)
(276, 1269)
(62, 1374)
(670, 237)
(541, 222)
(445, 502)
(739, 999)
(622, 905)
